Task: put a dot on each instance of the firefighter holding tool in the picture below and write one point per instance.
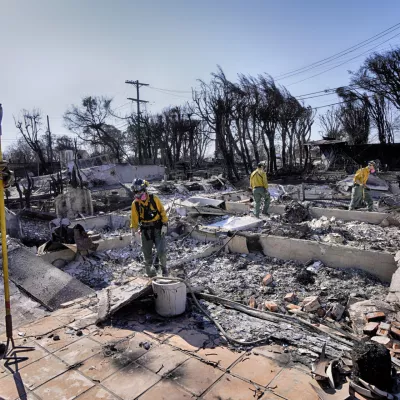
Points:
(149, 224)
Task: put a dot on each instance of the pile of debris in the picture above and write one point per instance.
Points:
(113, 267)
(354, 234)
(279, 285)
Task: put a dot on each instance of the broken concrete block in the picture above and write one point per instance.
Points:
(395, 324)
(371, 328)
(375, 316)
(385, 223)
(267, 280)
(271, 306)
(382, 332)
(386, 341)
(396, 345)
(292, 307)
(385, 326)
(333, 238)
(311, 304)
(337, 311)
(252, 302)
(395, 332)
(290, 297)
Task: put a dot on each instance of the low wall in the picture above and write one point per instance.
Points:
(67, 255)
(362, 216)
(380, 264)
(100, 222)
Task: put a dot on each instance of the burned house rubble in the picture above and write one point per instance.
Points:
(311, 289)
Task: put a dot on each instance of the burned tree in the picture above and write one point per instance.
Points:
(380, 74)
(355, 119)
(91, 123)
(379, 109)
(214, 104)
(269, 113)
(29, 127)
(20, 152)
(331, 124)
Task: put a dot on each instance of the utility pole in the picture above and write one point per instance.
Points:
(50, 145)
(138, 101)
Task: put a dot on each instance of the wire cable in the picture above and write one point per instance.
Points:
(340, 54)
(345, 62)
(170, 90)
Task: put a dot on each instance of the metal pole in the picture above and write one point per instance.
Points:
(4, 253)
(4, 243)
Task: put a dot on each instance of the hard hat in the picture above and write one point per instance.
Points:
(262, 164)
(372, 163)
(139, 185)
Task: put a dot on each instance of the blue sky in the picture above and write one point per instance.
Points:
(55, 52)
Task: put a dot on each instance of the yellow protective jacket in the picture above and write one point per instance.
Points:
(142, 206)
(258, 178)
(361, 176)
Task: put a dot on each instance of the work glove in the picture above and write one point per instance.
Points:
(135, 237)
(164, 230)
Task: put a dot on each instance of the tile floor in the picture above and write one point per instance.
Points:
(114, 363)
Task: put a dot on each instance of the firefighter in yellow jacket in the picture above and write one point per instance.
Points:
(360, 193)
(149, 223)
(259, 186)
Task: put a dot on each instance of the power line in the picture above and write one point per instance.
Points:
(170, 94)
(334, 104)
(345, 62)
(123, 105)
(170, 90)
(340, 54)
(327, 90)
(320, 95)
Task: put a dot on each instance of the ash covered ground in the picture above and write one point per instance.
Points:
(354, 234)
(239, 277)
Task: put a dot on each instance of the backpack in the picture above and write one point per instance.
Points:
(148, 213)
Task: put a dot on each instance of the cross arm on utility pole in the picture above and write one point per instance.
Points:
(141, 101)
(137, 83)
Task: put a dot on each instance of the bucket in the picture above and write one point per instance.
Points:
(170, 297)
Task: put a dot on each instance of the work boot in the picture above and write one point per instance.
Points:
(150, 271)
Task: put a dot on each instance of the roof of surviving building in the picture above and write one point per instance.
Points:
(324, 142)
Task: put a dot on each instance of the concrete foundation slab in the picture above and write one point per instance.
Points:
(42, 281)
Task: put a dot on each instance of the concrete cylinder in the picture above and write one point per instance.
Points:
(170, 297)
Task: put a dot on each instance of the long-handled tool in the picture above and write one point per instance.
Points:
(156, 261)
(9, 329)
